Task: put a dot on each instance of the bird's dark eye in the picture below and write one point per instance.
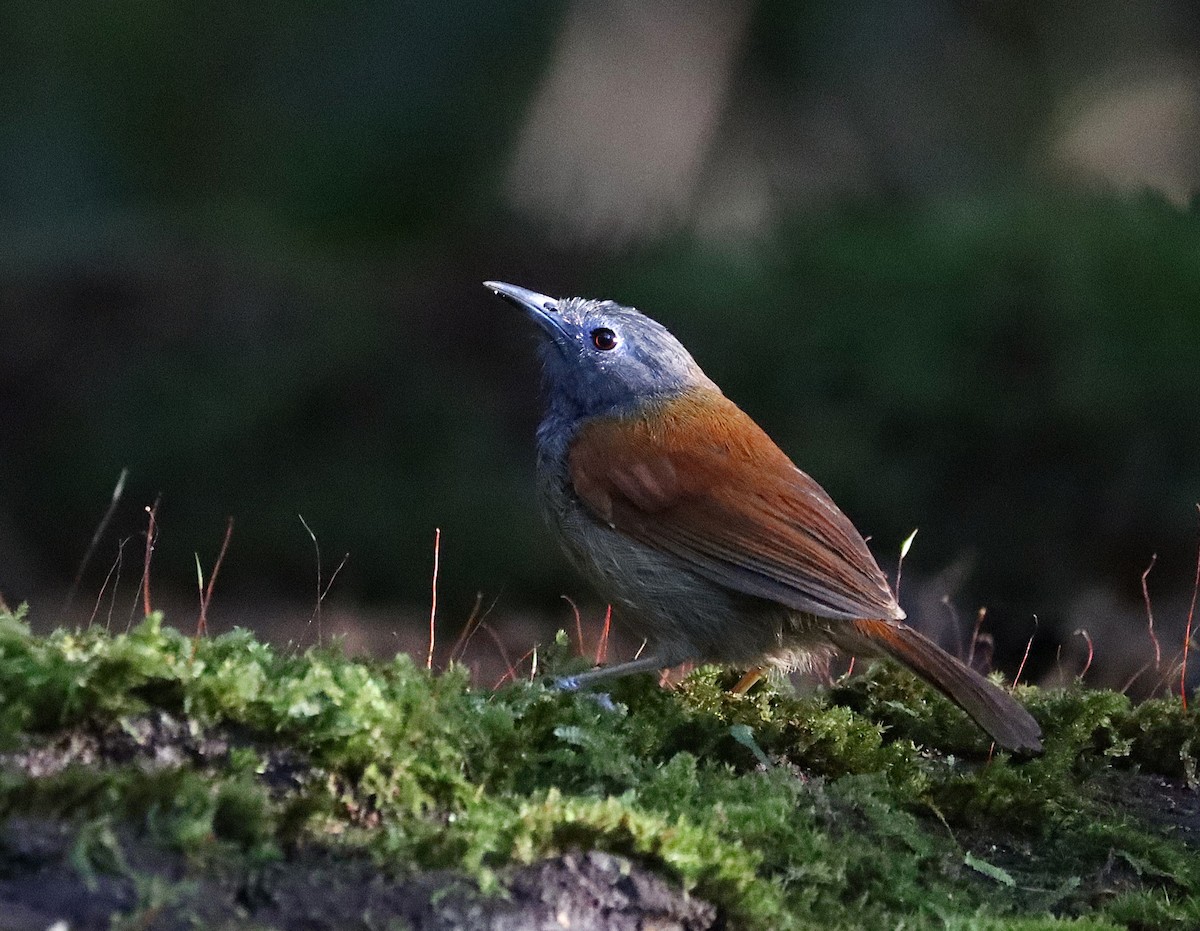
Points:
(604, 339)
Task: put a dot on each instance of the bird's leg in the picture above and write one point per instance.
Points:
(643, 664)
(746, 682)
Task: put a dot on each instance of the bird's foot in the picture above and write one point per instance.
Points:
(748, 680)
(572, 684)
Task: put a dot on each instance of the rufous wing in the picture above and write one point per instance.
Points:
(696, 477)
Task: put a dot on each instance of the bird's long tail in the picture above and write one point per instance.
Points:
(993, 709)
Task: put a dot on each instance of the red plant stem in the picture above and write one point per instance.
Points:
(602, 646)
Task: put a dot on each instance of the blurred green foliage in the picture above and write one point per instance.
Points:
(1013, 374)
(241, 257)
(318, 115)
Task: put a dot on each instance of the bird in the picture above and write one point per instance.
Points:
(703, 534)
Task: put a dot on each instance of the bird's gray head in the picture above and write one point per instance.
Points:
(601, 357)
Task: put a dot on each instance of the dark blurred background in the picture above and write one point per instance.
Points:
(947, 253)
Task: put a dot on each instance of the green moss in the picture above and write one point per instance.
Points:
(1155, 909)
(874, 804)
(1165, 738)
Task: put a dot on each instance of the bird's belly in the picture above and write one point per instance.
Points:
(684, 615)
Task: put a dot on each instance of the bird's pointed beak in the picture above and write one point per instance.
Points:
(541, 309)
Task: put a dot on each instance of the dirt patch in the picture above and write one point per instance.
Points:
(45, 878)
(1167, 805)
(156, 741)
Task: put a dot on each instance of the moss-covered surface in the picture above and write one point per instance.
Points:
(169, 782)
